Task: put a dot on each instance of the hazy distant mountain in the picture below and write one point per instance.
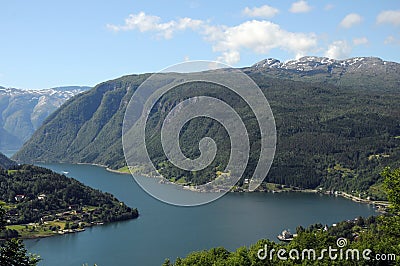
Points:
(23, 111)
(337, 125)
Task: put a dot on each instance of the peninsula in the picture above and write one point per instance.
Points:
(40, 203)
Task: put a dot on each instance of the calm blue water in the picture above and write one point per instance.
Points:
(165, 231)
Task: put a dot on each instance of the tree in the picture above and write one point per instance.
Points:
(300, 229)
(392, 186)
(12, 251)
(167, 262)
(2, 220)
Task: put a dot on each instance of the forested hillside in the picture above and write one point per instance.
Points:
(332, 135)
(32, 194)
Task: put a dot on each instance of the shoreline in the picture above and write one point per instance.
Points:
(58, 220)
(115, 171)
(94, 164)
(381, 205)
(39, 235)
(43, 235)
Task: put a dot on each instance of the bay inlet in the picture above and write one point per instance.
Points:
(166, 231)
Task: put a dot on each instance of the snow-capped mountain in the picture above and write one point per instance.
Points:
(23, 111)
(347, 72)
(312, 63)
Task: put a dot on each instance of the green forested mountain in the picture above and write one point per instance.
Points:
(85, 129)
(5, 163)
(336, 125)
(34, 194)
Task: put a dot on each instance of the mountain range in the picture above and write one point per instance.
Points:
(337, 124)
(23, 111)
(365, 72)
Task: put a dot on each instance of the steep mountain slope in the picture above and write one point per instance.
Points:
(330, 134)
(85, 129)
(5, 162)
(23, 111)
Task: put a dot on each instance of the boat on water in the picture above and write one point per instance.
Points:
(286, 236)
(65, 172)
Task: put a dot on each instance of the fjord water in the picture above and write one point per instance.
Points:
(166, 231)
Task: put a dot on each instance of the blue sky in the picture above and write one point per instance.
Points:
(53, 43)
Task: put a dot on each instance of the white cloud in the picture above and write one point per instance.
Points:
(389, 16)
(351, 20)
(264, 11)
(338, 50)
(260, 37)
(229, 57)
(360, 41)
(300, 7)
(143, 23)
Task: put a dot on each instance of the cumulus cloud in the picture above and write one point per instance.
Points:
(264, 11)
(143, 23)
(229, 57)
(389, 17)
(259, 36)
(360, 41)
(300, 7)
(351, 20)
(338, 50)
